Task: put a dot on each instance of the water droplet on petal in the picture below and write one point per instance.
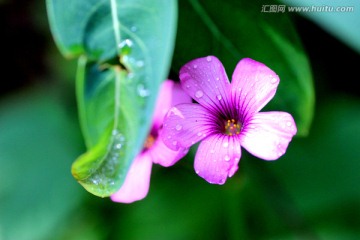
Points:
(197, 171)
(227, 158)
(208, 58)
(217, 79)
(174, 143)
(212, 151)
(199, 134)
(199, 94)
(221, 181)
(178, 127)
(274, 80)
(133, 29)
(195, 66)
(288, 124)
(219, 97)
(225, 145)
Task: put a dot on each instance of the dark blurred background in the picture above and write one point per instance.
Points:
(312, 193)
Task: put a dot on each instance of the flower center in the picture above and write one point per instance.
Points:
(149, 142)
(232, 127)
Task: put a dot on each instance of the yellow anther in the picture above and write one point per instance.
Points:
(232, 127)
(149, 142)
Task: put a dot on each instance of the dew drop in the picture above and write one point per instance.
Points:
(178, 127)
(227, 158)
(219, 97)
(199, 94)
(274, 80)
(140, 63)
(221, 181)
(125, 46)
(142, 91)
(133, 29)
(208, 58)
(225, 144)
(130, 75)
(199, 134)
(187, 86)
(212, 151)
(217, 79)
(197, 171)
(174, 143)
(288, 124)
(195, 66)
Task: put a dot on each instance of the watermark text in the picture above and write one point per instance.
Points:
(323, 8)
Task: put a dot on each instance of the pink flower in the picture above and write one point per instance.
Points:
(136, 184)
(227, 117)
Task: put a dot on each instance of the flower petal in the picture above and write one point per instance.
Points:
(137, 181)
(267, 134)
(179, 95)
(163, 155)
(253, 86)
(170, 94)
(217, 158)
(205, 80)
(186, 124)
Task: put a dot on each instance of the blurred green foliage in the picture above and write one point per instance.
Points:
(310, 193)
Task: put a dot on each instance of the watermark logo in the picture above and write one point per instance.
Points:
(323, 8)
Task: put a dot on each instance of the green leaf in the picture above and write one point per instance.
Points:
(125, 49)
(38, 140)
(232, 30)
(320, 173)
(341, 20)
(330, 152)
